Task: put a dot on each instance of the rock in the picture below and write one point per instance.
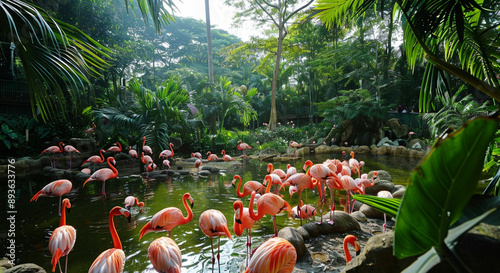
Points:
(380, 185)
(399, 193)
(293, 236)
(343, 222)
(5, 264)
(371, 212)
(398, 129)
(416, 146)
(377, 256)
(184, 172)
(417, 153)
(381, 175)
(302, 152)
(382, 150)
(359, 216)
(415, 143)
(304, 233)
(401, 142)
(385, 140)
(205, 173)
(211, 169)
(323, 149)
(363, 150)
(25, 268)
(400, 151)
(312, 229)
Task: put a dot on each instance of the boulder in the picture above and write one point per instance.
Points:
(417, 153)
(344, 222)
(323, 149)
(26, 268)
(385, 140)
(380, 185)
(302, 152)
(362, 150)
(401, 151)
(381, 175)
(417, 144)
(370, 212)
(398, 130)
(293, 236)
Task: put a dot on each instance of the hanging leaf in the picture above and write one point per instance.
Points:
(388, 206)
(441, 186)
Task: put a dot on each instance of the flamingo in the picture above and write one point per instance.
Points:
(63, 239)
(301, 181)
(130, 201)
(350, 185)
(294, 145)
(242, 220)
(352, 240)
(274, 179)
(321, 173)
(333, 184)
(248, 187)
(279, 172)
(166, 163)
(290, 171)
(86, 171)
(165, 255)
(354, 164)
(55, 188)
(276, 255)
(269, 203)
(95, 159)
(115, 149)
(113, 259)
(214, 224)
(384, 194)
(53, 150)
(104, 174)
(147, 160)
(212, 157)
(133, 154)
(243, 146)
(198, 163)
(146, 148)
(169, 218)
(226, 157)
(167, 153)
(196, 154)
(90, 129)
(70, 149)
(365, 181)
(302, 211)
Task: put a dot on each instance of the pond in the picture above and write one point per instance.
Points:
(89, 214)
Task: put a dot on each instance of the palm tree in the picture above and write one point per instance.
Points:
(57, 56)
(444, 32)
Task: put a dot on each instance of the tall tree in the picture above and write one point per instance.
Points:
(209, 43)
(279, 13)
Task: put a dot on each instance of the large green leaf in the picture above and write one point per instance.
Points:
(388, 206)
(441, 186)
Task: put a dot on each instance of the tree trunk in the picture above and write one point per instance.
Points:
(273, 117)
(388, 50)
(209, 43)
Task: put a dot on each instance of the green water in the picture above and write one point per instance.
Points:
(89, 214)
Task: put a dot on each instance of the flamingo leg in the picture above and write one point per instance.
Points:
(70, 156)
(213, 255)
(332, 207)
(249, 246)
(59, 210)
(66, 265)
(59, 263)
(348, 201)
(385, 223)
(299, 212)
(275, 227)
(103, 188)
(218, 252)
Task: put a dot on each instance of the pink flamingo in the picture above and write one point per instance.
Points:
(196, 154)
(243, 221)
(243, 146)
(166, 163)
(384, 194)
(133, 154)
(333, 184)
(198, 163)
(352, 240)
(63, 239)
(276, 255)
(130, 201)
(350, 185)
(302, 211)
(294, 145)
(167, 153)
(95, 159)
(165, 255)
(248, 187)
(279, 172)
(146, 149)
(290, 171)
(212, 157)
(70, 149)
(301, 181)
(115, 149)
(354, 164)
(55, 188)
(274, 179)
(53, 150)
(113, 259)
(147, 160)
(226, 157)
(269, 203)
(214, 224)
(321, 173)
(169, 218)
(104, 174)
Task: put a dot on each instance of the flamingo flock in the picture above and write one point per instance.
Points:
(273, 255)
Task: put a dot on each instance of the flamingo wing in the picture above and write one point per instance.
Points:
(275, 255)
(61, 242)
(165, 255)
(213, 223)
(110, 261)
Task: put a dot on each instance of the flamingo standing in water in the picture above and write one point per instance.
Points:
(384, 194)
(243, 221)
(226, 157)
(55, 188)
(321, 173)
(167, 153)
(212, 157)
(269, 203)
(279, 172)
(115, 149)
(302, 211)
(148, 161)
(198, 163)
(333, 184)
(133, 154)
(113, 259)
(166, 163)
(214, 224)
(95, 159)
(290, 171)
(70, 149)
(243, 146)
(274, 179)
(352, 240)
(130, 201)
(169, 218)
(301, 181)
(349, 185)
(62, 240)
(53, 150)
(104, 174)
(276, 255)
(146, 149)
(248, 187)
(294, 145)
(165, 255)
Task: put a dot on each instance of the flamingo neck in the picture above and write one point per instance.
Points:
(238, 192)
(348, 257)
(115, 171)
(189, 216)
(172, 150)
(62, 222)
(268, 187)
(136, 201)
(119, 145)
(144, 143)
(250, 209)
(60, 147)
(270, 168)
(223, 153)
(114, 235)
(102, 156)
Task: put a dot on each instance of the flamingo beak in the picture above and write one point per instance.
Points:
(357, 248)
